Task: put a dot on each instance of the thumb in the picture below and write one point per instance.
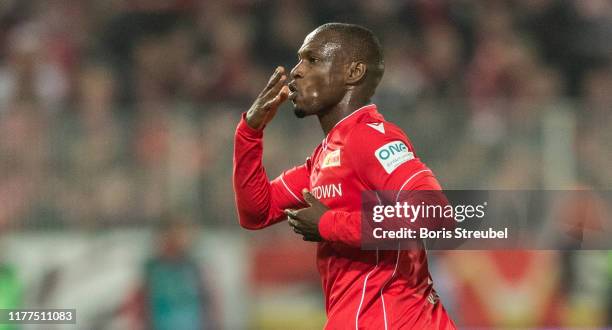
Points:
(309, 198)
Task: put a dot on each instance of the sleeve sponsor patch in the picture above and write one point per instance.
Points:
(392, 155)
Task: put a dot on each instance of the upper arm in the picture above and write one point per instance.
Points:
(387, 161)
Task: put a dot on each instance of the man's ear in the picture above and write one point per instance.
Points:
(356, 72)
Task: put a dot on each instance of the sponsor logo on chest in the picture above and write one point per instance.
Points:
(327, 190)
(332, 159)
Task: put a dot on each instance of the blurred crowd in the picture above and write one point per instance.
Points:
(118, 111)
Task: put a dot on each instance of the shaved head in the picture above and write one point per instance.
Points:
(359, 44)
(338, 64)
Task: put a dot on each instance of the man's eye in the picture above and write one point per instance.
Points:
(313, 60)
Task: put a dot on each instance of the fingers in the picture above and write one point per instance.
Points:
(309, 238)
(280, 97)
(274, 79)
(309, 198)
(283, 94)
(292, 214)
(275, 89)
(292, 219)
(294, 224)
(265, 106)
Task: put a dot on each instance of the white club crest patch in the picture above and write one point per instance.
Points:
(392, 155)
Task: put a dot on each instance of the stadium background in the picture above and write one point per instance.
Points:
(116, 129)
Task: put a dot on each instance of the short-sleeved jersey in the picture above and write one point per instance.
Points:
(363, 289)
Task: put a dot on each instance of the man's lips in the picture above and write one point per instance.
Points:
(292, 91)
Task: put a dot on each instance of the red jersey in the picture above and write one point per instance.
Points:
(363, 289)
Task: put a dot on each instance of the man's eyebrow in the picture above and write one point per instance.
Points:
(306, 52)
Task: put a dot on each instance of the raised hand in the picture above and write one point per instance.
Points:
(267, 102)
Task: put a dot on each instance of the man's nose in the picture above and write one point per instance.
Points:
(296, 72)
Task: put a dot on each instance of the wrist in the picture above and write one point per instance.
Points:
(327, 226)
(244, 126)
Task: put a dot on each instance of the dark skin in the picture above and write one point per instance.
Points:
(326, 82)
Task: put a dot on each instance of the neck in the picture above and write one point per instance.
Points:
(330, 117)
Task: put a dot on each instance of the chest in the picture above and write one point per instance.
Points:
(332, 180)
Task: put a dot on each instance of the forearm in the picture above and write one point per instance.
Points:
(253, 192)
(341, 227)
(347, 227)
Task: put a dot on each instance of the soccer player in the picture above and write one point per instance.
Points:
(339, 68)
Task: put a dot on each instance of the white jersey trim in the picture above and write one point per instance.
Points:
(382, 297)
(289, 190)
(365, 281)
(324, 142)
(352, 113)
(406, 182)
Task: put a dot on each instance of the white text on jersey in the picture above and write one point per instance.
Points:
(327, 191)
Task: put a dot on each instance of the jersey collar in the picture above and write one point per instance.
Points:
(353, 115)
(350, 118)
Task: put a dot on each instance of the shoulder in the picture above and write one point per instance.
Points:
(371, 135)
(379, 143)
